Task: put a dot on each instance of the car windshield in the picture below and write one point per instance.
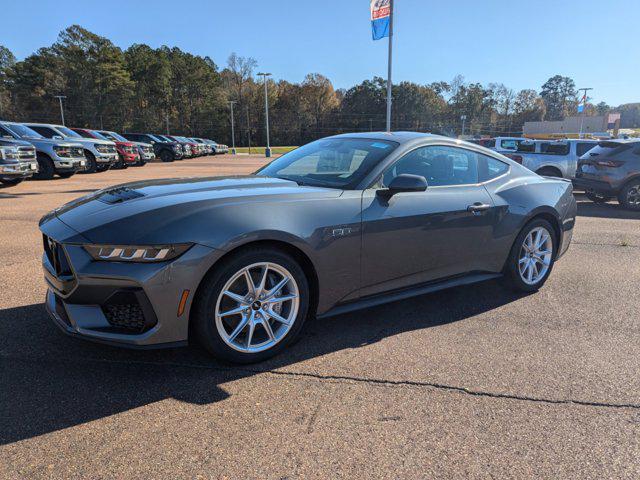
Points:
(22, 131)
(159, 138)
(114, 136)
(67, 132)
(332, 162)
(99, 135)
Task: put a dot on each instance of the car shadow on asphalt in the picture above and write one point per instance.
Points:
(587, 208)
(49, 381)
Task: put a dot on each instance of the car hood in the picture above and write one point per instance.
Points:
(51, 141)
(174, 210)
(89, 141)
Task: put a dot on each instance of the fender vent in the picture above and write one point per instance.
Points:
(119, 195)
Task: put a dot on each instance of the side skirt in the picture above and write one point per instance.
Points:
(408, 293)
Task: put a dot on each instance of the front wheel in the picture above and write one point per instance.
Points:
(629, 196)
(532, 256)
(92, 164)
(252, 306)
(166, 156)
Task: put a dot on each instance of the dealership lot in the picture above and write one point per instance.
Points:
(473, 381)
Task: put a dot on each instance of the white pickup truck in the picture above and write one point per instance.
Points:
(552, 158)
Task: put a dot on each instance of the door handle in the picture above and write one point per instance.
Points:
(478, 207)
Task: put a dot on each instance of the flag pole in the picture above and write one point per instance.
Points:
(389, 67)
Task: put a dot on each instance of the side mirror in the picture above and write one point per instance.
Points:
(58, 137)
(404, 182)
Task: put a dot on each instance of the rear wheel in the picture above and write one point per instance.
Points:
(46, 169)
(597, 197)
(252, 306)
(532, 256)
(549, 172)
(629, 196)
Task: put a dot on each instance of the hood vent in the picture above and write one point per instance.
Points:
(119, 195)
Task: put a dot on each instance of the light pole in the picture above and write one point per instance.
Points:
(233, 133)
(267, 151)
(60, 97)
(584, 104)
(464, 119)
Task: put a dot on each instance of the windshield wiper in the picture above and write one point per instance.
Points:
(291, 179)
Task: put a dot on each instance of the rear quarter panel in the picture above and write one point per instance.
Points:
(519, 199)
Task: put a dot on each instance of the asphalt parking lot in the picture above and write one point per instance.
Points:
(470, 382)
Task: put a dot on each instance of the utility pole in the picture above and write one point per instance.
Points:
(60, 98)
(248, 130)
(584, 105)
(389, 67)
(267, 151)
(464, 119)
(233, 133)
(166, 118)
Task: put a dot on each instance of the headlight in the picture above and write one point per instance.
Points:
(141, 254)
(101, 148)
(64, 152)
(8, 153)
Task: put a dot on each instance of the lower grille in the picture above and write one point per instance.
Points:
(128, 316)
(129, 311)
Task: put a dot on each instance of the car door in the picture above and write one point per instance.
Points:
(418, 237)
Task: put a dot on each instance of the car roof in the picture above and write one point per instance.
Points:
(400, 137)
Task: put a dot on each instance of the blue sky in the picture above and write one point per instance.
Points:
(519, 43)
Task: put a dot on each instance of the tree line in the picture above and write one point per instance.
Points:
(166, 89)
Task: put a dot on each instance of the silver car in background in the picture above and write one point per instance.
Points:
(54, 156)
(552, 158)
(100, 154)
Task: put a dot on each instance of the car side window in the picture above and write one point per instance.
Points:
(45, 131)
(439, 165)
(490, 168)
(582, 148)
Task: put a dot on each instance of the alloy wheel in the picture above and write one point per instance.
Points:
(633, 196)
(535, 255)
(257, 307)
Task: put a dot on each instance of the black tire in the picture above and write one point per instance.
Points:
(549, 172)
(597, 197)
(66, 174)
(211, 288)
(511, 269)
(11, 182)
(166, 156)
(92, 165)
(629, 196)
(46, 169)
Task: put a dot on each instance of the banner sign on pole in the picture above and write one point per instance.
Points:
(380, 12)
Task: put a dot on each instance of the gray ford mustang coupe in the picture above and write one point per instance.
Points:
(343, 223)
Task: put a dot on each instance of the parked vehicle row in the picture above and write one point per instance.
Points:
(41, 151)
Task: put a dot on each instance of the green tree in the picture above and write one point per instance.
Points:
(560, 97)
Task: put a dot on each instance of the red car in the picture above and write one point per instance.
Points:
(127, 151)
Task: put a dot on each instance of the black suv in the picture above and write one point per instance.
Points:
(165, 151)
(611, 169)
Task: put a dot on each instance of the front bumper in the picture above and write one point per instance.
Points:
(70, 164)
(20, 169)
(106, 158)
(131, 304)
